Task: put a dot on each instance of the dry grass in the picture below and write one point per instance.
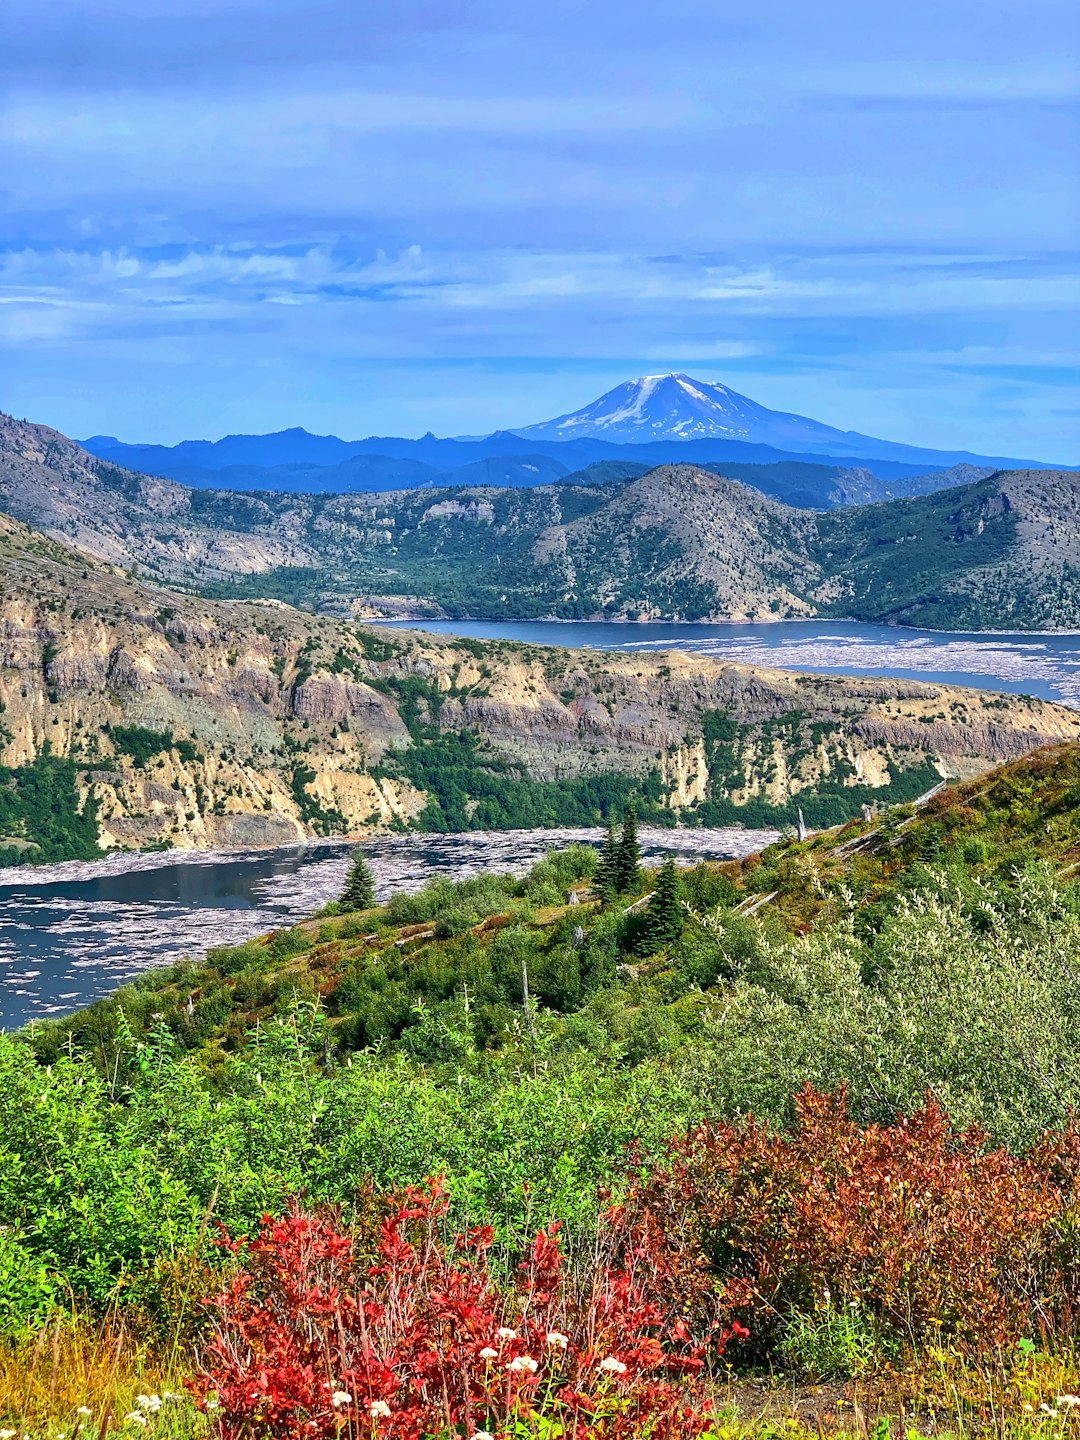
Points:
(74, 1377)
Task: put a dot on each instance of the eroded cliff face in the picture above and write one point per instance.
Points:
(274, 724)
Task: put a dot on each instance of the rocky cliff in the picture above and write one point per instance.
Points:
(198, 723)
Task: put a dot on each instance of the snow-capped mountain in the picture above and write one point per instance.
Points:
(677, 407)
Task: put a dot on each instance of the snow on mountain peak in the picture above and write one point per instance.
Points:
(676, 406)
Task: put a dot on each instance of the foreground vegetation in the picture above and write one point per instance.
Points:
(561, 1060)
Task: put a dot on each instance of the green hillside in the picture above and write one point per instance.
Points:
(884, 919)
(677, 542)
(669, 1071)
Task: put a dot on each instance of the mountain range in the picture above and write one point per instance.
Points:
(181, 703)
(651, 421)
(677, 542)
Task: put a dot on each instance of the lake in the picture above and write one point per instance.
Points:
(1020, 662)
(70, 933)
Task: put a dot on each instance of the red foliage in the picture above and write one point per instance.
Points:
(925, 1229)
(309, 1342)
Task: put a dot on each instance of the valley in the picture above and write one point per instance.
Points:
(678, 542)
(134, 716)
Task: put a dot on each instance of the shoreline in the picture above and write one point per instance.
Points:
(130, 862)
(419, 622)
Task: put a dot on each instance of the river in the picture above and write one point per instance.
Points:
(1020, 662)
(70, 933)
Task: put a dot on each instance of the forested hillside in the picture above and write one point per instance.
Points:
(679, 542)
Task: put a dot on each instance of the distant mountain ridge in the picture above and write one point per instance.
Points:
(677, 542)
(680, 408)
(654, 420)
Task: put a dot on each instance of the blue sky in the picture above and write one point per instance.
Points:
(385, 216)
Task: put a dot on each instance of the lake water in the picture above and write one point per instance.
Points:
(1023, 663)
(70, 933)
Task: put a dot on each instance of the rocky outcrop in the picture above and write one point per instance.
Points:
(266, 724)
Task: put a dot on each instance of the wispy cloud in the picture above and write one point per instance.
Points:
(465, 213)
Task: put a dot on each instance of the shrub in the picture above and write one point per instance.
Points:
(923, 1228)
(421, 1341)
(454, 921)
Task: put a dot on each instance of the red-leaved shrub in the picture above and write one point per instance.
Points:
(310, 1341)
(923, 1228)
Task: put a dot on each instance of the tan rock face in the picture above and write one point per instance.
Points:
(282, 719)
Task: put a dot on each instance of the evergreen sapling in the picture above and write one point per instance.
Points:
(606, 879)
(664, 913)
(629, 853)
(359, 892)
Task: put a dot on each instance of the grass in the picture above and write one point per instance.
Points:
(79, 1377)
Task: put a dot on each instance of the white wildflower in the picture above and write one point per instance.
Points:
(486, 1354)
(149, 1402)
(505, 1333)
(1045, 1409)
(523, 1362)
(340, 1397)
(136, 1418)
(1068, 1400)
(482, 1435)
(557, 1339)
(213, 1403)
(613, 1366)
(380, 1410)
(7, 1434)
(82, 1410)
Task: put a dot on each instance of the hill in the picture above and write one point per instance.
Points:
(134, 716)
(934, 946)
(677, 542)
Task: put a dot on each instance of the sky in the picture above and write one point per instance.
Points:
(392, 216)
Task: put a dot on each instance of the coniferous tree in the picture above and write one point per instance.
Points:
(664, 913)
(629, 855)
(359, 892)
(606, 879)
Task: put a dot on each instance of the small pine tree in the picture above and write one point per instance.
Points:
(359, 892)
(629, 853)
(663, 914)
(606, 879)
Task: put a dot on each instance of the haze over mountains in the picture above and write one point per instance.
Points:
(649, 421)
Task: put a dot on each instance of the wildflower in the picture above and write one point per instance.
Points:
(613, 1366)
(149, 1402)
(82, 1410)
(488, 1353)
(340, 1397)
(557, 1339)
(523, 1362)
(7, 1434)
(136, 1418)
(1068, 1400)
(380, 1410)
(505, 1333)
(1045, 1409)
(213, 1403)
(482, 1435)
